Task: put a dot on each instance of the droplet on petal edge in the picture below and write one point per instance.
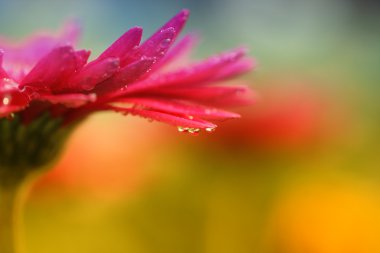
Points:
(210, 129)
(181, 129)
(194, 131)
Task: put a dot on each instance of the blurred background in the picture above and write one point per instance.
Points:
(298, 173)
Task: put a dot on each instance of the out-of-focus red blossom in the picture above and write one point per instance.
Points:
(46, 73)
(290, 114)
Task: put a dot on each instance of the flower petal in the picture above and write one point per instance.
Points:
(159, 43)
(69, 100)
(25, 54)
(81, 58)
(180, 51)
(11, 99)
(235, 69)
(93, 73)
(123, 46)
(52, 69)
(180, 108)
(200, 73)
(166, 118)
(126, 75)
(3, 73)
(70, 33)
(210, 95)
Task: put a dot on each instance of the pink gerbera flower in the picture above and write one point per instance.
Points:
(46, 74)
(47, 87)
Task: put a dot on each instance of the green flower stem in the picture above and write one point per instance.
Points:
(11, 201)
(26, 151)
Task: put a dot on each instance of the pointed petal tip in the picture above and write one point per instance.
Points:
(209, 125)
(136, 29)
(184, 13)
(234, 115)
(71, 31)
(179, 20)
(72, 24)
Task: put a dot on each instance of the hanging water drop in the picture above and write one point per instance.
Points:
(194, 130)
(210, 129)
(182, 129)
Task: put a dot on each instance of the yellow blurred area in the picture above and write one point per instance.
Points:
(327, 215)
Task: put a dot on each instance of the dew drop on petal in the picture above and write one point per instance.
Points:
(210, 129)
(165, 43)
(194, 130)
(124, 88)
(182, 129)
(6, 100)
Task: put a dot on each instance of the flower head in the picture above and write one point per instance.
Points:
(46, 74)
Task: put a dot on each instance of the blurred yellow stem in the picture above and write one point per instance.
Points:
(10, 217)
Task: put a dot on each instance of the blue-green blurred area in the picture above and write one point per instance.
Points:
(298, 172)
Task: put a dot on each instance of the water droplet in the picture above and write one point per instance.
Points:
(124, 88)
(165, 43)
(6, 100)
(210, 129)
(190, 117)
(193, 130)
(182, 129)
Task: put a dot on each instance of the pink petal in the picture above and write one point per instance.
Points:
(167, 118)
(52, 69)
(11, 99)
(70, 33)
(25, 54)
(210, 95)
(180, 51)
(69, 100)
(177, 22)
(206, 71)
(123, 46)
(94, 73)
(159, 43)
(179, 108)
(3, 73)
(81, 58)
(238, 68)
(134, 71)
(126, 75)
